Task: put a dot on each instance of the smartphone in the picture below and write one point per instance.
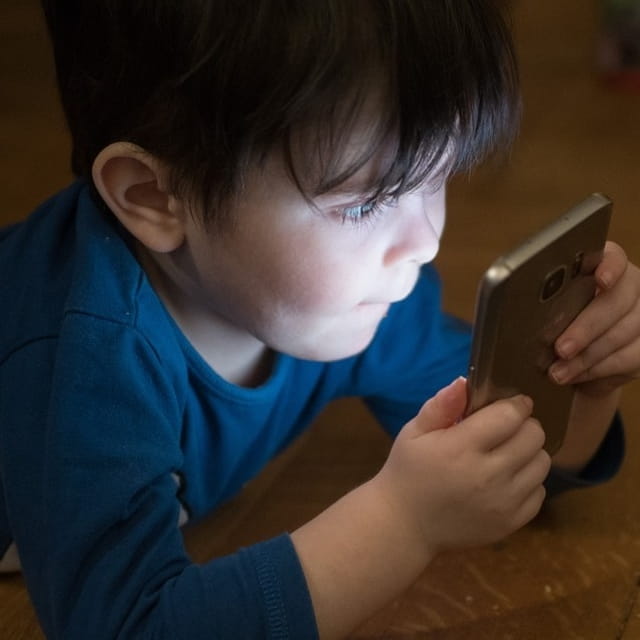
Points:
(525, 300)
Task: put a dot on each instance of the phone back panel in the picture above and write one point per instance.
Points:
(526, 299)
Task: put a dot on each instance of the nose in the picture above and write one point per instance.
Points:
(419, 224)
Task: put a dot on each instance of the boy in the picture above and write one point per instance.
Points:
(260, 185)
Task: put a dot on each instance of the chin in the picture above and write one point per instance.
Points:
(330, 351)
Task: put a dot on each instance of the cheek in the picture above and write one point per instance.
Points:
(314, 291)
(322, 287)
(321, 277)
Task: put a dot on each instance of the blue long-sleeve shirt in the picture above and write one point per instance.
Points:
(114, 431)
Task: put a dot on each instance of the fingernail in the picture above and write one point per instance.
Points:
(445, 391)
(528, 402)
(567, 348)
(605, 279)
(451, 385)
(559, 372)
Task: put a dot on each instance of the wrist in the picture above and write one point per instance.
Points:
(407, 518)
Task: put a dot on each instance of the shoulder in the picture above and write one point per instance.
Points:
(69, 257)
(73, 293)
(36, 258)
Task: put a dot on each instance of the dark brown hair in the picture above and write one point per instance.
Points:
(210, 87)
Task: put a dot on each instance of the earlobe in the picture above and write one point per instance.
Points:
(132, 184)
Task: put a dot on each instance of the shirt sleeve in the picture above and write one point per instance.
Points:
(88, 455)
(604, 465)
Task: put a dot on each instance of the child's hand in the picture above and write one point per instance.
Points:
(466, 483)
(600, 350)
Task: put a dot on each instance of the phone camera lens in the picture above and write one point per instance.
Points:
(553, 283)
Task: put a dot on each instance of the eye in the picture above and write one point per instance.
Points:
(360, 212)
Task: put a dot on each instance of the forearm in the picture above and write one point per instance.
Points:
(590, 420)
(357, 556)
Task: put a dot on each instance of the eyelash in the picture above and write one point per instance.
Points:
(361, 213)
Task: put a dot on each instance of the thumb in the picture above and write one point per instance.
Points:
(445, 408)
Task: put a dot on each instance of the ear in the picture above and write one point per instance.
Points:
(132, 183)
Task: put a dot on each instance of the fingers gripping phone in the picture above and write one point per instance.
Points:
(525, 300)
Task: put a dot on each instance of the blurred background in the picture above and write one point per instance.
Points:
(574, 572)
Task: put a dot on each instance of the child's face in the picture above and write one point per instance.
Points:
(313, 283)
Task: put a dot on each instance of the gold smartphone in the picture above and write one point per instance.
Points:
(525, 300)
